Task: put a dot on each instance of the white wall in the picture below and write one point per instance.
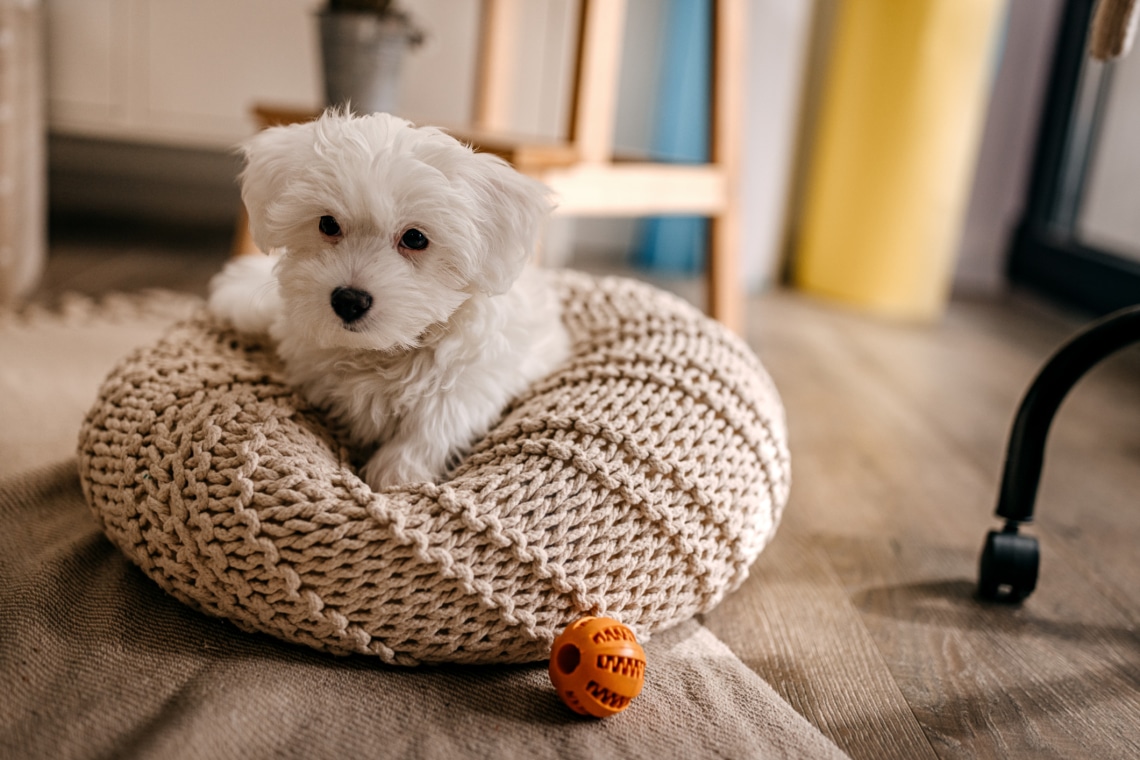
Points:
(1110, 214)
(187, 73)
(1008, 141)
(181, 73)
(779, 39)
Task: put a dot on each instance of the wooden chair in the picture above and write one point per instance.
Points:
(581, 169)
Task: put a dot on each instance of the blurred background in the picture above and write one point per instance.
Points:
(881, 151)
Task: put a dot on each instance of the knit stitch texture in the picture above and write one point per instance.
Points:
(639, 481)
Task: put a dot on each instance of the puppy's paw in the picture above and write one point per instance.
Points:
(245, 293)
(391, 466)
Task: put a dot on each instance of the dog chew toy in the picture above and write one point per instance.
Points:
(597, 667)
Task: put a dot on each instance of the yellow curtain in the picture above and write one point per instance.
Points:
(892, 160)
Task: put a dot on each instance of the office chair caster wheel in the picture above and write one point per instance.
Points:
(1009, 565)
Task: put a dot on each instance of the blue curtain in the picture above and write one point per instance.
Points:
(676, 244)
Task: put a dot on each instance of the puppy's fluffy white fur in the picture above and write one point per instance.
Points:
(453, 331)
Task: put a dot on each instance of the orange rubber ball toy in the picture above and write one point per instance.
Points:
(597, 666)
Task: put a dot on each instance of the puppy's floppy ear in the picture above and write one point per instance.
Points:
(273, 158)
(514, 209)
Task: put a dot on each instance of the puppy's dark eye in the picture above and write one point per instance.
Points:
(328, 226)
(414, 240)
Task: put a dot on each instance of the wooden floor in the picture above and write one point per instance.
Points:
(869, 624)
(862, 611)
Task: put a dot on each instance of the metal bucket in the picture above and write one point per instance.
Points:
(362, 55)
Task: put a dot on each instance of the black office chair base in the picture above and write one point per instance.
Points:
(1008, 569)
(1009, 560)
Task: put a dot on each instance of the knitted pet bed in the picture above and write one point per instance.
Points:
(639, 481)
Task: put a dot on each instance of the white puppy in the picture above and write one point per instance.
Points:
(399, 303)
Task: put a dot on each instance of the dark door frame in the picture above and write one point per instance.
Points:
(1045, 254)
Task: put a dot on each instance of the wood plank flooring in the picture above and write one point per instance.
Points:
(861, 613)
(897, 437)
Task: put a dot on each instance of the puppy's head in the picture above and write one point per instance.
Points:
(386, 228)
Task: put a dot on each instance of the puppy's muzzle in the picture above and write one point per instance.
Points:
(350, 304)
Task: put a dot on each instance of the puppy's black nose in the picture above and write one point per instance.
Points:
(350, 304)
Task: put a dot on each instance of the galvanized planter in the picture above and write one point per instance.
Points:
(363, 55)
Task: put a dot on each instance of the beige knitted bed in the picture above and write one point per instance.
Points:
(639, 481)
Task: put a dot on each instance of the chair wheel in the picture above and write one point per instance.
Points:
(1008, 571)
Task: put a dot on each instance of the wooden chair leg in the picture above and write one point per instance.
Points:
(243, 242)
(725, 288)
(725, 291)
